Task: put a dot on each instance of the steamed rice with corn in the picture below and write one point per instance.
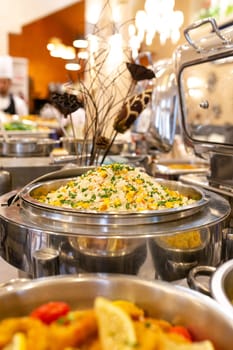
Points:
(115, 187)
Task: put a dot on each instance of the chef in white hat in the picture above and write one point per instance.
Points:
(9, 103)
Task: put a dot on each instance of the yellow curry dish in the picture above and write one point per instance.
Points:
(108, 325)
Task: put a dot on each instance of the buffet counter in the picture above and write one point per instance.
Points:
(23, 170)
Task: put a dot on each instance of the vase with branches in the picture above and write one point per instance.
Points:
(105, 91)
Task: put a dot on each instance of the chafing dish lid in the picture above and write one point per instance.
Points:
(204, 71)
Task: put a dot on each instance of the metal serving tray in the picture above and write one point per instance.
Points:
(27, 146)
(180, 167)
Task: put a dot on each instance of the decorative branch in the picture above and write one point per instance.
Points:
(110, 108)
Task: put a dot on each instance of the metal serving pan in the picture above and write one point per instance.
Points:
(172, 169)
(48, 213)
(160, 299)
(180, 166)
(26, 146)
(76, 146)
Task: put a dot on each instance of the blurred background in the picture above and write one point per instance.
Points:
(28, 26)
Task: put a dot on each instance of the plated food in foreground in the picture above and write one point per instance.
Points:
(116, 325)
(115, 187)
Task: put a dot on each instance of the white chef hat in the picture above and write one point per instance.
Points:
(6, 67)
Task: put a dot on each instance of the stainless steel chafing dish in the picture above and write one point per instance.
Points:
(26, 146)
(79, 147)
(108, 242)
(204, 70)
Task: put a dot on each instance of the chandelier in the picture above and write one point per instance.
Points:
(157, 18)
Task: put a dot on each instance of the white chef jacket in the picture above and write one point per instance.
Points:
(21, 107)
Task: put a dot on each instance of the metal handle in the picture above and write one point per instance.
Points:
(198, 24)
(227, 249)
(197, 272)
(181, 267)
(57, 174)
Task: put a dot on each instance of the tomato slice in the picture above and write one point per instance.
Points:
(50, 311)
(181, 330)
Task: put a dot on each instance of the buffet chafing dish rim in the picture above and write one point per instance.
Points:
(34, 207)
(217, 210)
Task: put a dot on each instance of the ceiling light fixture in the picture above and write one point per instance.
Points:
(73, 66)
(83, 55)
(80, 43)
(53, 42)
(58, 49)
(158, 17)
(68, 53)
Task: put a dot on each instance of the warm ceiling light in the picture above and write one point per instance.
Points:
(50, 46)
(74, 66)
(80, 43)
(57, 51)
(53, 42)
(83, 55)
(68, 53)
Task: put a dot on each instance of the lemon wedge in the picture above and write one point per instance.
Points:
(116, 329)
(18, 342)
(202, 345)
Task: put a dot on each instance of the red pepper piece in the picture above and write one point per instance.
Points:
(181, 330)
(51, 311)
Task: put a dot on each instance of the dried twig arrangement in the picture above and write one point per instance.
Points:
(106, 94)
